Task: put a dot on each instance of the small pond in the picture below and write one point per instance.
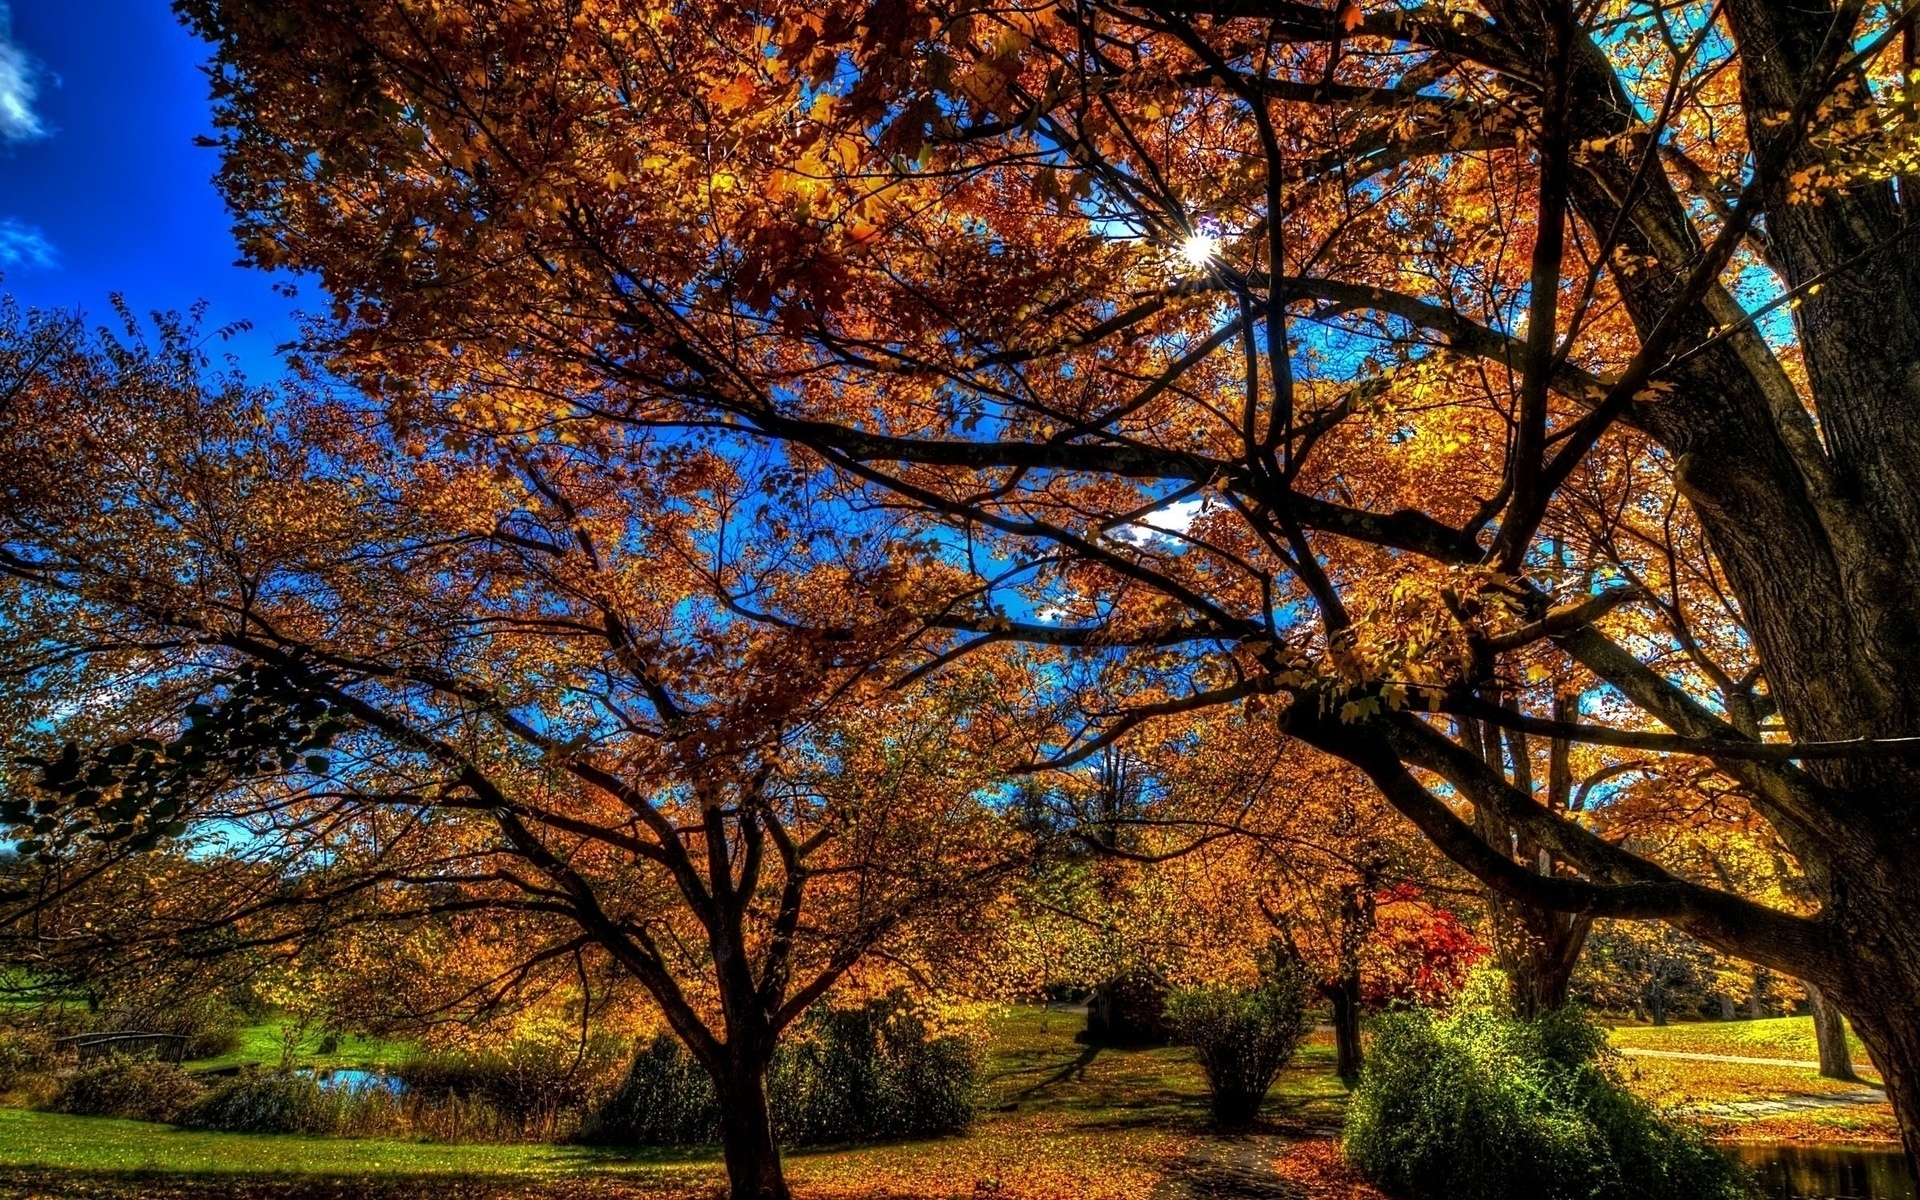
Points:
(1790, 1172)
(354, 1079)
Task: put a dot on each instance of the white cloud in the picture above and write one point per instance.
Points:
(1174, 518)
(19, 85)
(22, 247)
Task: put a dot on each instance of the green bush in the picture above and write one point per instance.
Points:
(137, 1088)
(256, 1101)
(533, 1086)
(1243, 1036)
(264, 1102)
(1482, 1104)
(874, 1072)
(667, 1099)
(25, 1050)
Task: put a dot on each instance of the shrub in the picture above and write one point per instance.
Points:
(667, 1099)
(25, 1050)
(141, 1089)
(1243, 1036)
(874, 1072)
(1483, 1104)
(255, 1101)
(877, 1071)
(532, 1085)
(264, 1102)
(210, 1024)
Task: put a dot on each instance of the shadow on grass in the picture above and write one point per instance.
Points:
(1072, 1071)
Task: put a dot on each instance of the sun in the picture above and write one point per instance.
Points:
(1200, 249)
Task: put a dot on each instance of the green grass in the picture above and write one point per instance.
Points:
(264, 1043)
(1035, 1066)
(41, 1139)
(1777, 1037)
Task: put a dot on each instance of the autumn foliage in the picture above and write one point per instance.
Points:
(762, 480)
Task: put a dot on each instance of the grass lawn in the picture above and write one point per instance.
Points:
(105, 1144)
(1694, 1085)
(265, 1043)
(1059, 1122)
(1777, 1037)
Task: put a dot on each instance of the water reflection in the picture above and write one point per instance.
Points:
(1788, 1172)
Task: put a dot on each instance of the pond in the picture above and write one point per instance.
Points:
(1790, 1172)
(354, 1079)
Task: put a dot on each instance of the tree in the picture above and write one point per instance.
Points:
(1235, 841)
(1650, 969)
(1830, 1036)
(1442, 324)
(410, 677)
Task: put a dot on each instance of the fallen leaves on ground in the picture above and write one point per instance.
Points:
(1034, 1159)
(1319, 1169)
(1864, 1125)
(1680, 1082)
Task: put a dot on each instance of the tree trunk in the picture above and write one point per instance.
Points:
(1345, 994)
(1356, 924)
(1536, 947)
(1543, 962)
(1657, 1001)
(746, 1135)
(1891, 1031)
(1830, 1031)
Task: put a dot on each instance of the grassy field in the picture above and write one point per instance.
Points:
(1777, 1037)
(1704, 1089)
(265, 1044)
(1059, 1122)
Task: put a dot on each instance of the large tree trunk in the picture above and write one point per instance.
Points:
(1817, 527)
(1891, 1031)
(746, 1133)
(1830, 1032)
(1538, 949)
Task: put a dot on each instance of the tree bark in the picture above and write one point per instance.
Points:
(1537, 947)
(1757, 995)
(1345, 995)
(1830, 1031)
(1890, 1027)
(746, 1132)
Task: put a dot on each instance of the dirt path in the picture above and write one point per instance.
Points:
(1229, 1169)
(1636, 1052)
(1775, 1105)
(1788, 1104)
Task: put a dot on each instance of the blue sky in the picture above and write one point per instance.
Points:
(101, 187)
